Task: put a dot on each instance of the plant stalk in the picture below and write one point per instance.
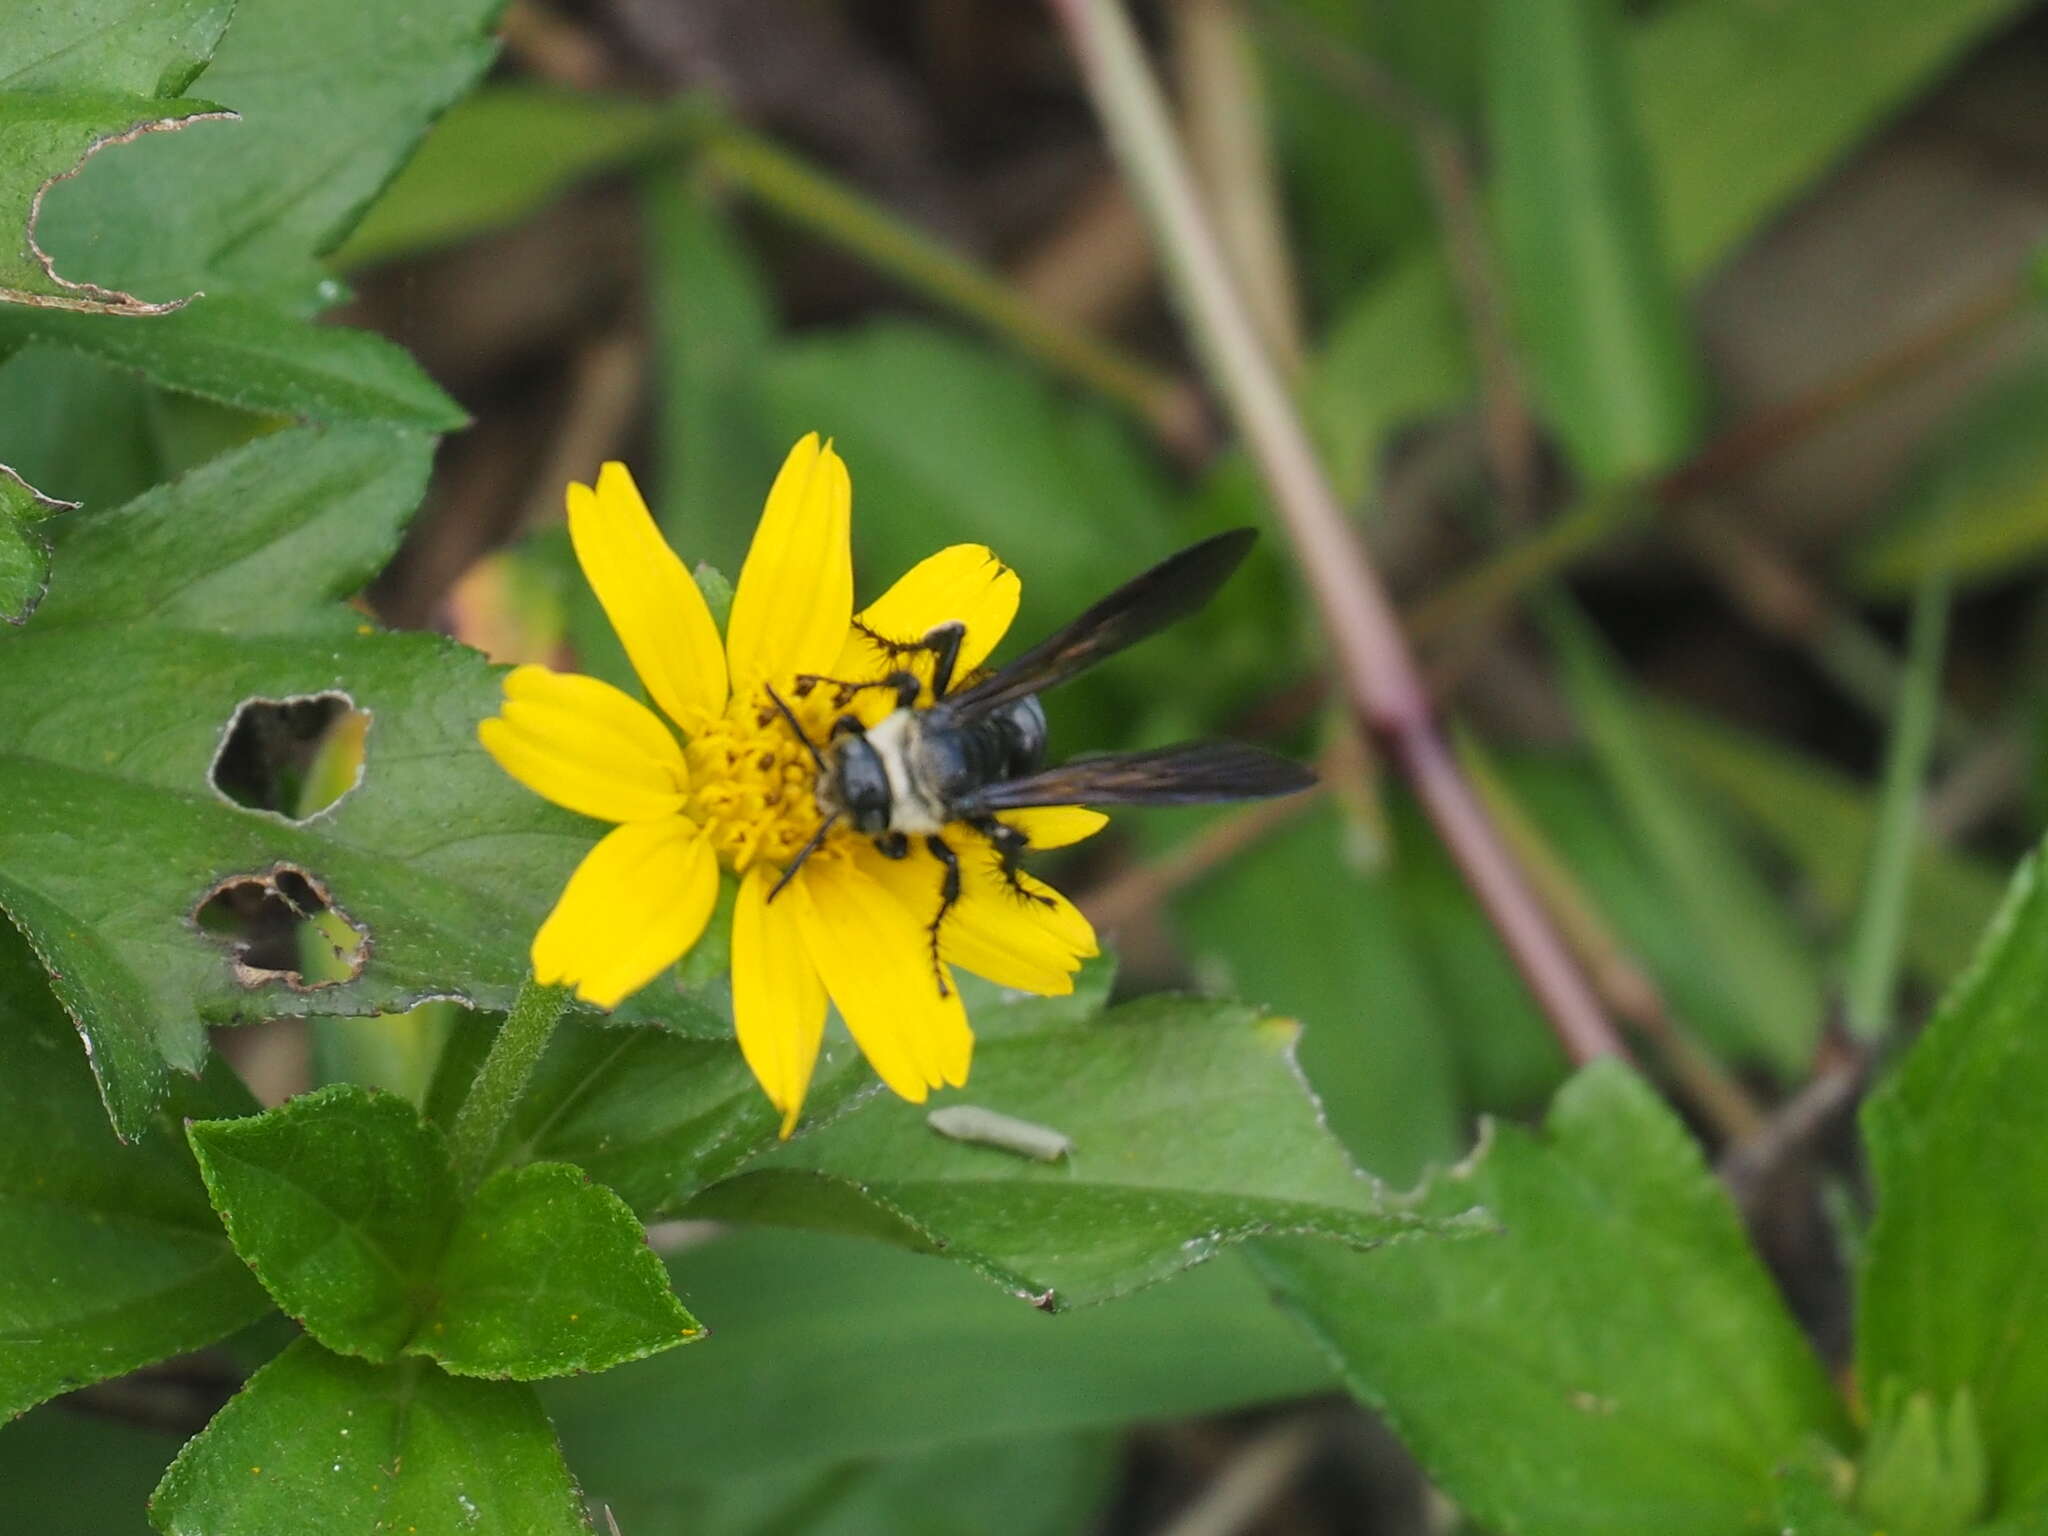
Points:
(1379, 674)
(494, 1094)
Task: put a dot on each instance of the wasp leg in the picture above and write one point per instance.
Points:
(949, 893)
(906, 685)
(944, 644)
(1010, 846)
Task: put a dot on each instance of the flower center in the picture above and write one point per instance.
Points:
(753, 785)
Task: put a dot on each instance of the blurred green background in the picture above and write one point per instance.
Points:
(1663, 352)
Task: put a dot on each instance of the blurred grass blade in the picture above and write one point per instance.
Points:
(1599, 314)
(714, 322)
(1977, 503)
(1870, 987)
(1742, 104)
(1734, 916)
(1821, 822)
(496, 157)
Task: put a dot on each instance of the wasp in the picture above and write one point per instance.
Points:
(978, 749)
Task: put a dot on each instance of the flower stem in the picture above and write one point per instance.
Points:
(1365, 636)
(499, 1082)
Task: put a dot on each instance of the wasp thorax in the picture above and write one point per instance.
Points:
(753, 785)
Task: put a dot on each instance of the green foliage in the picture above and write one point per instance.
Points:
(24, 552)
(1821, 823)
(496, 156)
(113, 1258)
(1617, 1360)
(1190, 1131)
(1954, 1268)
(1727, 906)
(1581, 239)
(1923, 1471)
(814, 1336)
(345, 1205)
(1977, 504)
(321, 1442)
(1740, 104)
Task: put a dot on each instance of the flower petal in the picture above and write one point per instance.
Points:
(876, 962)
(993, 931)
(1055, 826)
(654, 605)
(778, 1003)
(966, 583)
(585, 745)
(635, 904)
(795, 593)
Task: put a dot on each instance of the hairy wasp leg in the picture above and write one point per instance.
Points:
(949, 894)
(906, 685)
(1010, 846)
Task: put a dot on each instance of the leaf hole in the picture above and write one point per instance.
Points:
(291, 757)
(282, 925)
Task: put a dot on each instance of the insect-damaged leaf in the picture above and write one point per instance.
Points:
(166, 616)
(112, 1258)
(1191, 1130)
(24, 552)
(345, 1204)
(317, 1442)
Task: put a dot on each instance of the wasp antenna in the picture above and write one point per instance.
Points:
(796, 725)
(802, 853)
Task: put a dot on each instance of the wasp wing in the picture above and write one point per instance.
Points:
(1194, 773)
(1143, 606)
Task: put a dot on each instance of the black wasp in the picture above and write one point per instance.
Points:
(977, 750)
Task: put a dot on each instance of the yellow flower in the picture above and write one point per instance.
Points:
(736, 789)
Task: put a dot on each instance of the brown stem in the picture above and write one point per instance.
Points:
(1379, 675)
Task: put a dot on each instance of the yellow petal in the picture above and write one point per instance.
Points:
(1055, 826)
(966, 583)
(795, 593)
(583, 744)
(875, 959)
(654, 605)
(992, 931)
(635, 904)
(778, 1003)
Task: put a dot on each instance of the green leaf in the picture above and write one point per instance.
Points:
(76, 430)
(143, 47)
(77, 1474)
(1191, 1130)
(1821, 821)
(112, 1259)
(340, 1201)
(1619, 1336)
(548, 1274)
(816, 1337)
(1048, 1485)
(1923, 1470)
(497, 156)
(46, 135)
(1954, 1266)
(319, 1442)
(1600, 318)
(1375, 1043)
(1976, 503)
(181, 607)
(24, 552)
(331, 99)
(1809, 1504)
(1733, 914)
(256, 357)
(1741, 104)
(345, 1205)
